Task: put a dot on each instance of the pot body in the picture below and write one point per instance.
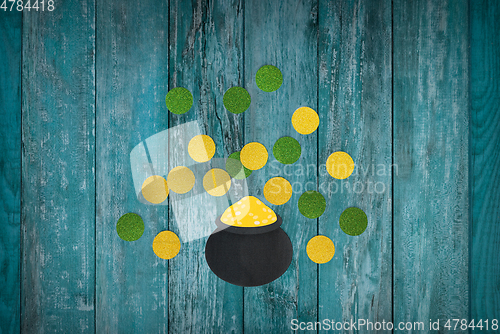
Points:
(249, 259)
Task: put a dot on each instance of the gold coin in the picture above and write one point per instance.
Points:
(217, 182)
(155, 189)
(253, 156)
(180, 180)
(320, 249)
(201, 148)
(166, 245)
(305, 120)
(277, 190)
(340, 165)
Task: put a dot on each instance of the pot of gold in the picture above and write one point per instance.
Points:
(249, 248)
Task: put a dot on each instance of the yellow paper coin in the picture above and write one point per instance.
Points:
(253, 156)
(305, 120)
(277, 190)
(201, 148)
(320, 249)
(166, 245)
(216, 182)
(180, 180)
(340, 165)
(155, 189)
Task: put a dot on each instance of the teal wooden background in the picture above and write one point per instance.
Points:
(408, 85)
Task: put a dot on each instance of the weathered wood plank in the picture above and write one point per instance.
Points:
(206, 58)
(10, 171)
(431, 131)
(132, 78)
(485, 155)
(283, 34)
(355, 100)
(58, 182)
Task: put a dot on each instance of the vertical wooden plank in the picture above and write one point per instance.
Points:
(485, 149)
(10, 170)
(132, 78)
(355, 100)
(283, 34)
(206, 58)
(431, 149)
(58, 180)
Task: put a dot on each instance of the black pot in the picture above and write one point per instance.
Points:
(249, 256)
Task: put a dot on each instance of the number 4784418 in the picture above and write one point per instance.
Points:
(20, 5)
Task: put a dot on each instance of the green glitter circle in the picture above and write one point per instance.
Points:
(287, 150)
(236, 100)
(235, 168)
(179, 100)
(130, 227)
(312, 204)
(269, 78)
(353, 221)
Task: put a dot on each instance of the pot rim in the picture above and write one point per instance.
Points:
(247, 230)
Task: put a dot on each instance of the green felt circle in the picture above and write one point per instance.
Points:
(353, 221)
(269, 78)
(235, 168)
(312, 204)
(287, 150)
(179, 100)
(130, 227)
(236, 100)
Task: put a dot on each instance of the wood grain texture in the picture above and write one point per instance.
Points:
(485, 155)
(69, 146)
(206, 58)
(10, 171)
(58, 155)
(431, 130)
(283, 34)
(355, 100)
(132, 78)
